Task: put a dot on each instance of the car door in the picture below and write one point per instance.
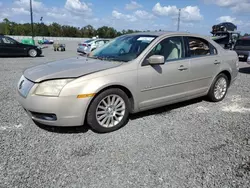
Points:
(204, 64)
(161, 84)
(12, 47)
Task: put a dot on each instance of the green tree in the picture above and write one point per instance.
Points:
(56, 30)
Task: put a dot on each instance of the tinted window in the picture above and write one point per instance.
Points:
(171, 48)
(198, 47)
(242, 43)
(8, 40)
(99, 42)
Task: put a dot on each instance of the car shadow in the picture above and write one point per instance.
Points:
(85, 128)
(245, 70)
(165, 109)
(63, 130)
(20, 56)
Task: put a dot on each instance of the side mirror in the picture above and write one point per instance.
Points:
(156, 60)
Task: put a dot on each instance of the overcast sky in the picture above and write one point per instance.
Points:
(196, 15)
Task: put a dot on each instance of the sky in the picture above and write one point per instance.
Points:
(197, 16)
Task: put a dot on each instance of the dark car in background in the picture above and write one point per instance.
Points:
(242, 48)
(10, 47)
(225, 26)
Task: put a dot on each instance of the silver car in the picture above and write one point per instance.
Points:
(132, 73)
(89, 45)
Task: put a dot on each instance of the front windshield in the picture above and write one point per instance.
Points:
(124, 48)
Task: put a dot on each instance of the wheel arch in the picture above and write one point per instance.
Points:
(228, 74)
(118, 86)
(224, 71)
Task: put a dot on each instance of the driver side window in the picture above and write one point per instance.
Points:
(7, 41)
(171, 48)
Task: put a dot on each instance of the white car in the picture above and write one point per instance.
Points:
(89, 45)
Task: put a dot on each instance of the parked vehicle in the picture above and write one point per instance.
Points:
(132, 73)
(45, 41)
(89, 45)
(225, 26)
(242, 48)
(11, 47)
(59, 47)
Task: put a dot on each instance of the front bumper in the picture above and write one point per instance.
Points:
(63, 111)
(39, 51)
(83, 50)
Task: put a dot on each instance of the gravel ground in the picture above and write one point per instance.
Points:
(191, 144)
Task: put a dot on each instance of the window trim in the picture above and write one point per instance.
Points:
(211, 49)
(166, 62)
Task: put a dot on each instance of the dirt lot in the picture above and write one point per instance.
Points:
(191, 144)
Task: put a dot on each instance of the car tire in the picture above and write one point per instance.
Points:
(104, 118)
(32, 52)
(218, 88)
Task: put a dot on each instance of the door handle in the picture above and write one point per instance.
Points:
(181, 68)
(216, 62)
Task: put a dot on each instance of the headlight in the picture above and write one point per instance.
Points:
(51, 87)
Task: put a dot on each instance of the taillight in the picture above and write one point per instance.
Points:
(82, 44)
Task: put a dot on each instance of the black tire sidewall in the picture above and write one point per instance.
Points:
(91, 114)
(211, 91)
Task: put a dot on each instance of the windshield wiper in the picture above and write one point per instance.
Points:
(108, 58)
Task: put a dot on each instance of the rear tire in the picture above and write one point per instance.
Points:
(109, 111)
(218, 88)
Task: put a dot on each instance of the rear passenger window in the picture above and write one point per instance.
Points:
(198, 47)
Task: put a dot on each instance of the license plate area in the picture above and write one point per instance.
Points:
(241, 56)
(24, 86)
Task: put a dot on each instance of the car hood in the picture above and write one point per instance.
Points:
(68, 68)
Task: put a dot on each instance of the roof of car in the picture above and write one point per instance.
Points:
(159, 33)
(166, 33)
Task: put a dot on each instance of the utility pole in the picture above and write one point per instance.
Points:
(31, 18)
(179, 19)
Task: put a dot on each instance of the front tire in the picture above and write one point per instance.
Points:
(32, 53)
(109, 111)
(219, 88)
